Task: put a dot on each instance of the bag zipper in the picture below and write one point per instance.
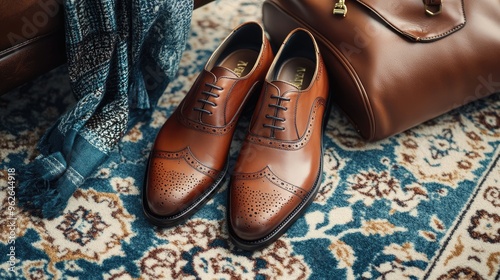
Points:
(340, 8)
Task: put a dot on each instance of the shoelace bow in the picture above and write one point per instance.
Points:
(206, 101)
(275, 118)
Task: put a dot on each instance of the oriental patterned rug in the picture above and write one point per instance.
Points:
(424, 204)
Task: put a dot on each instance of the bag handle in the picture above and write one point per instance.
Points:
(432, 7)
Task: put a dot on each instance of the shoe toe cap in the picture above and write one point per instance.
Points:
(173, 186)
(258, 207)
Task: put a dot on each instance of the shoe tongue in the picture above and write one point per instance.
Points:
(220, 71)
(284, 86)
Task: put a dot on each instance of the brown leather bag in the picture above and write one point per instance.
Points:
(31, 40)
(394, 64)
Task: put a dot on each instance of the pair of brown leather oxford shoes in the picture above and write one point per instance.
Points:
(279, 168)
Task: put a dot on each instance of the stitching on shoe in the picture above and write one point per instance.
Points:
(267, 173)
(190, 159)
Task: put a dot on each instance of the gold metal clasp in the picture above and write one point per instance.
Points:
(340, 8)
(433, 7)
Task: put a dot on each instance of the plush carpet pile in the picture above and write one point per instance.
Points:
(424, 204)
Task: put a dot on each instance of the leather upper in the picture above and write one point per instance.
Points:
(191, 149)
(277, 169)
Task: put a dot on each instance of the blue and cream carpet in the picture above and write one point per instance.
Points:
(424, 204)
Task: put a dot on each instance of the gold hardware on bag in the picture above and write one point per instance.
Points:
(433, 7)
(340, 8)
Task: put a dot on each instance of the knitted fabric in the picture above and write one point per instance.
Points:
(121, 55)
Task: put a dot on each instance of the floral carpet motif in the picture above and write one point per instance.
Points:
(423, 204)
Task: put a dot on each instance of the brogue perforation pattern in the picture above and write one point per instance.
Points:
(186, 155)
(171, 185)
(260, 206)
(267, 173)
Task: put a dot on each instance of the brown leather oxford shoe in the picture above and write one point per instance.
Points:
(278, 171)
(189, 158)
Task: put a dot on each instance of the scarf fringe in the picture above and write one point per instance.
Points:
(39, 188)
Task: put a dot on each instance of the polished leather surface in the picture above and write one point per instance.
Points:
(189, 156)
(278, 170)
(409, 18)
(31, 40)
(26, 19)
(386, 82)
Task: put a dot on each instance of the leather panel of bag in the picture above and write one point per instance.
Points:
(395, 64)
(31, 40)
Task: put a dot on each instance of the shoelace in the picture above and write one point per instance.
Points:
(206, 101)
(277, 108)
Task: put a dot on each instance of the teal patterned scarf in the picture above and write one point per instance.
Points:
(121, 56)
